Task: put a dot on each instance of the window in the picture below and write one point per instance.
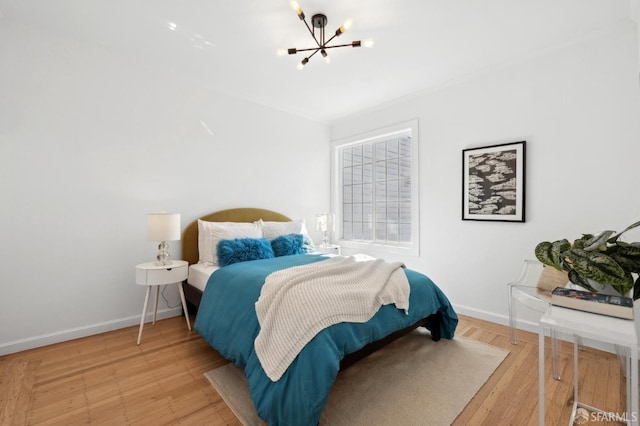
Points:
(375, 190)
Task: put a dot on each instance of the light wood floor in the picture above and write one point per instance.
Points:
(107, 379)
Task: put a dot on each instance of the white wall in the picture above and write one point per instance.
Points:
(635, 15)
(89, 143)
(578, 108)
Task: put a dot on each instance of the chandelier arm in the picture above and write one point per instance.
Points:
(336, 34)
(316, 51)
(329, 41)
(312, 33)
(326, 47)
(308, 49)
(341, 45)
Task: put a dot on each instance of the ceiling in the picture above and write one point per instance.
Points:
(230, 45)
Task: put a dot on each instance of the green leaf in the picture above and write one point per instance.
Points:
(558, 248)
(543, 253)
(599, 242)
(627, 256)
(551, 253)
(575, 278)
(580, 242)
(599, 267)
(615, 237)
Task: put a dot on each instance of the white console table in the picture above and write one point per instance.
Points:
(596, 327)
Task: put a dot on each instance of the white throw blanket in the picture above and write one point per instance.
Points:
(297, 303)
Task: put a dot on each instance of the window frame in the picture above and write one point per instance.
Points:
(388, 132)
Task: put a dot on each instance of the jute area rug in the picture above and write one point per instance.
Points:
(412, 381)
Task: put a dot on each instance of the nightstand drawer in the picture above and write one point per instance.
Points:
(160, 276)
(331, 249)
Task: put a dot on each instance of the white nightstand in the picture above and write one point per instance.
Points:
(150, 274)
(330, 249)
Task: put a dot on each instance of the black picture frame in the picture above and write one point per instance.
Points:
(494, 182)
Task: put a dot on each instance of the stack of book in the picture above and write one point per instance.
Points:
(597, 303)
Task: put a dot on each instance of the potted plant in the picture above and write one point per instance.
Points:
(595, 261)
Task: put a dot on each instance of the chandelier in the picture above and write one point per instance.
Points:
(319, 22)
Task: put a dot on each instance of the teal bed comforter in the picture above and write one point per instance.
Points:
(227, 320)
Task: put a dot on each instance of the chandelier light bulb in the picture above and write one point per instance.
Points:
(344, 27)
(326, 57)
(303, 63)
(368, 44)
(295, 6)
(281, 52)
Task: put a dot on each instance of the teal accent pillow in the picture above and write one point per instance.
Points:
(287, 245)
(243, 249)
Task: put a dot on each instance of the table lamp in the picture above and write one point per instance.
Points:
(163, 227)
(325, 224)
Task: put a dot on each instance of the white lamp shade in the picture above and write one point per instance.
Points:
(324, 222)
(163, 227)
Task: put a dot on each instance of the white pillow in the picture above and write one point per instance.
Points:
(210, 233)
(271, 230)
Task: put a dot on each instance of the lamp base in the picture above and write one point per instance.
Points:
(325, 239)
(163, 257)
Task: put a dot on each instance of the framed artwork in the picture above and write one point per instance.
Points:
(493, 182)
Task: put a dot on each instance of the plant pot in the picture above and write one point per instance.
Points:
(551, 278)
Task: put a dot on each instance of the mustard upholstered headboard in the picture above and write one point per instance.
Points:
(248, 214)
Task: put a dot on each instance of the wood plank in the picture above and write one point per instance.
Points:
(17, 377)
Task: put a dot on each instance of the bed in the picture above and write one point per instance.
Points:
(226, 318)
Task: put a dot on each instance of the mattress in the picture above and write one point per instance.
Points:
(199, 275)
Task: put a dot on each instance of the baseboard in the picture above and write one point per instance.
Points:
(78, 332)
(526, 325)
(480, 314)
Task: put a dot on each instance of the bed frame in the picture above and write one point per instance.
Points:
(194, 296)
